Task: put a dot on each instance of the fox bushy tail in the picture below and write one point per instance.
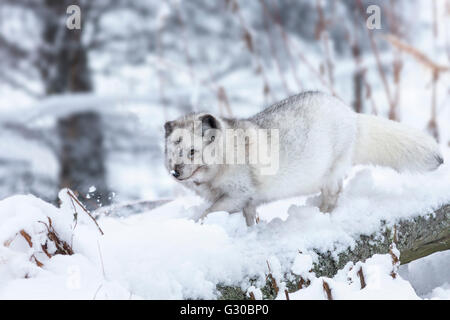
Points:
(388, 143)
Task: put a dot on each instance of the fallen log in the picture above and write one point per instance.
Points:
(415, 238)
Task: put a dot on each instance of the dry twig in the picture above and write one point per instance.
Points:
(273, 282)
(362, 280)
(71, 195)
(327, 290)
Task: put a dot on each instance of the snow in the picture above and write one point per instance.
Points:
(165, 254)
(303, 263)
(18, 149)
(430, 276)
(346, 284)
(440, 293)
(257, 293)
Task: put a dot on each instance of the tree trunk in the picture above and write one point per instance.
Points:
(65, 69)
(415, 238)
(81, 157)
(81, 153)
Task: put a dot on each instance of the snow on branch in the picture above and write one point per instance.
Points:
(73, 103)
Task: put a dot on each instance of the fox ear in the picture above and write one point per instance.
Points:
(209, 122)
(168, 126)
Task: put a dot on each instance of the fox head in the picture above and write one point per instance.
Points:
(190, 143)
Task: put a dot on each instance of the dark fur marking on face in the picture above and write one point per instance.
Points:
(208, 122)
(168, 126)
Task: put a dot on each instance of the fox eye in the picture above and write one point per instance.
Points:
(213, 138)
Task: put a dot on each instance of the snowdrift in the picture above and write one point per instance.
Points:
(60, 253)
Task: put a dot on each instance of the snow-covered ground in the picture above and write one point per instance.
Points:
(165, 254)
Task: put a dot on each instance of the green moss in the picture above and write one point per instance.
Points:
(231, 293)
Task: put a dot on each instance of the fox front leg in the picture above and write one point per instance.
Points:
(250, 215)
(224, 203)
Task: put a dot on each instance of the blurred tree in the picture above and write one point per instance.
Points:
(189, 53)
(37, 44)
(61, 61)
(64, 68)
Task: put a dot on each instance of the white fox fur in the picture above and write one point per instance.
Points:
(320, 138)
(388, 143)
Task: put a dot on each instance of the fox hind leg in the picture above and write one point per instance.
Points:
(334, 182)
(330, 195)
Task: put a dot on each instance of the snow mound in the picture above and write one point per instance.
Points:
(371, 280)
(165, 254)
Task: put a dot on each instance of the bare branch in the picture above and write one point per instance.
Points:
(416, 54)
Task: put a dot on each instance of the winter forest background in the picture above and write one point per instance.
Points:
(82, 108)
(85, 108)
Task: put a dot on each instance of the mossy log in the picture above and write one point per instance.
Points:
(415, 238)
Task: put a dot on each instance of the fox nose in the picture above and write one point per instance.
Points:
(175, 173)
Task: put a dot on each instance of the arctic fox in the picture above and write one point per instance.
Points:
(319, 139)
